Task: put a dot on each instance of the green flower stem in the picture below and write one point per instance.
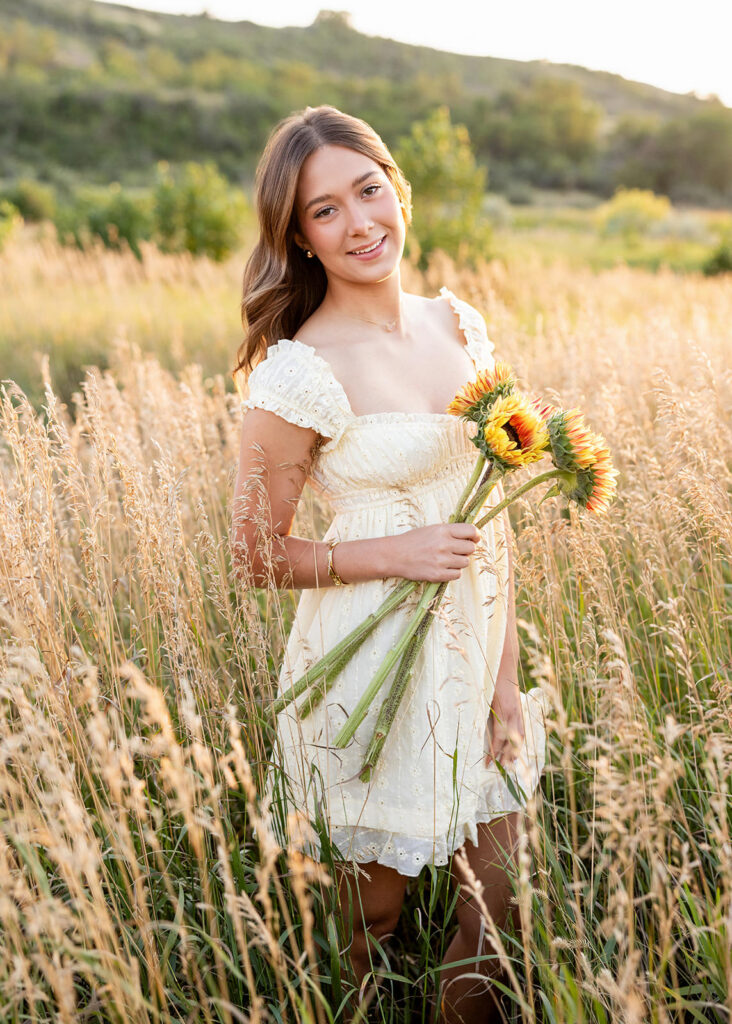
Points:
(359, 712)
(478, 468)
(319, 689)
(393, 699)
(476, 503)
(349, 644)
(398, 688)
(551, 474)
(328, 667)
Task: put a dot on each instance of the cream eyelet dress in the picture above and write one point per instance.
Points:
(383, 474)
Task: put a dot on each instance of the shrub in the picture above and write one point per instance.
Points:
(10, 221)
(631, 211)
(196, 209)
(110, 214)
(720, 260)
(32, 200)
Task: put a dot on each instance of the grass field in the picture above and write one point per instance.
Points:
(132, 666)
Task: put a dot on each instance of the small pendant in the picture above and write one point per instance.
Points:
(390, 326)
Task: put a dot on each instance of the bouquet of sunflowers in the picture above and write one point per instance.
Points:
(513, 431)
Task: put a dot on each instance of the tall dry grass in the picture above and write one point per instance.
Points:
(133, 665)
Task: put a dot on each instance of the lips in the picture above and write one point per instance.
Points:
(366, 248)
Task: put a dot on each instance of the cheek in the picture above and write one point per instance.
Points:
(390, 210)
(321, 229)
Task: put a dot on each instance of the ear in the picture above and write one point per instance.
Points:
(300, 240)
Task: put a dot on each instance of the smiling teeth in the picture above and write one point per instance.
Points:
(357, 252)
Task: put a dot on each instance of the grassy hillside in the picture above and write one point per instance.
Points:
(83, 26)
(96, 91)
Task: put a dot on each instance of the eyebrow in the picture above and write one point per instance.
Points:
(356, 181)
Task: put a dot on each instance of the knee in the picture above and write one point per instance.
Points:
(364, 956)
(378, 928)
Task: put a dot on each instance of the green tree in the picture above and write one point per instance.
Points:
(447, 188)
(547, 130)
(196, 209)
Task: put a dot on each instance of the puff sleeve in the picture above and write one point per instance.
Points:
(479, 345)
(297, 384)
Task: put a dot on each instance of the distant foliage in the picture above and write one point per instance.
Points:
(448, 189)
(687, 157)
(110, 214)
(546, 131)
(193, 209)
(10, 221)
(196, 209)
(33, 200)
(117, 91)
(631, 212)
(720, 260)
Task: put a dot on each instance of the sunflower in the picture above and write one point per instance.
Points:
(474, 398)
(570, 440)
(594, 486)
(604, 478)
(545, 410)
(514, 434)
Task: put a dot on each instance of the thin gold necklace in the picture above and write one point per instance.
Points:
(390, 325)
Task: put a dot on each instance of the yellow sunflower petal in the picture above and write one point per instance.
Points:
(500, 378)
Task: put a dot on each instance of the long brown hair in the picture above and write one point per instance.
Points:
(281, 286)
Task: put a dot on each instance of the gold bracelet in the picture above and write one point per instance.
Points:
(331, 570)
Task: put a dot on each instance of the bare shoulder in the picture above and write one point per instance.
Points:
(316, 330)
(444, 318)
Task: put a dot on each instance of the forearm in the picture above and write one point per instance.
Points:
(285, 561)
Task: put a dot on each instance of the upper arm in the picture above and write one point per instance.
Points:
(275, 457)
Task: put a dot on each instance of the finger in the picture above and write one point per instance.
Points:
(463, 547)
(467, 531)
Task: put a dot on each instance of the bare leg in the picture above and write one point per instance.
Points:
(368, 907)
(470, 1000)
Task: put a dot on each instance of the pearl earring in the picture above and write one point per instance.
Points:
(309, 254)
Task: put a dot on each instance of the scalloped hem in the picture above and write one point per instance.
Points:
(404, 853)
(408, 854)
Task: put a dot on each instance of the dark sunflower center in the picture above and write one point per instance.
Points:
(513, 434)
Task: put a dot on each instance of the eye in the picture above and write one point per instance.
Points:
(371, 186)
(324, 210)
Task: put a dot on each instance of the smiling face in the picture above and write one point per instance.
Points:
(345, 203)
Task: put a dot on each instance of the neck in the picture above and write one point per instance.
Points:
(379, 302)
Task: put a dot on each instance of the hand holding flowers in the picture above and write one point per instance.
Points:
(513, 431)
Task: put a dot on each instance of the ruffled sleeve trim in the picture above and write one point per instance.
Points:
(297, 384)
(479, 345)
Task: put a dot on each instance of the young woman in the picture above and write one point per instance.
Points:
(351, 396)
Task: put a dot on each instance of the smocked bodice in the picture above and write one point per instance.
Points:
(369, 459)
(380, 461)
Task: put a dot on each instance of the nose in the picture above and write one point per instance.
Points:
(359, 222)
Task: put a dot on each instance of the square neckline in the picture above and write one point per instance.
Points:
(408, 415)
